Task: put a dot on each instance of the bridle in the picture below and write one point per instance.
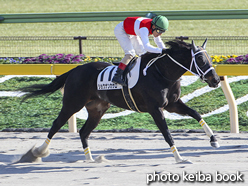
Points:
(199, 71)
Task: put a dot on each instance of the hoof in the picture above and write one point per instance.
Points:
(101, 159)
(29, 157)
(215, 144)
(36, 152)
(184, 161)
(89, 161)
(213, 141)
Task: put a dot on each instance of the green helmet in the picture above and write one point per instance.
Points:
(161, 22)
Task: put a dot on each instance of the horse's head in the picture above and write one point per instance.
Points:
(201, 65)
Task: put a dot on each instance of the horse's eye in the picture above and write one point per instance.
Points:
(200, 60)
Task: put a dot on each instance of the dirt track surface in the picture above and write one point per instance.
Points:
(124, 159)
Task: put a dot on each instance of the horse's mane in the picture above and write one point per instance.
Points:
(178, 46)
(174, 47)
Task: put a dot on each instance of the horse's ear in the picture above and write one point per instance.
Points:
(205, 43)
(193, 46)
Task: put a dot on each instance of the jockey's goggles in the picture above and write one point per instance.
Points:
(159, 31)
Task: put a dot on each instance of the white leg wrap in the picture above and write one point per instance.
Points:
(88, 154)
(176, 154)
(42, 151)
(206, 128)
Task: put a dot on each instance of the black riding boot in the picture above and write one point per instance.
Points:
(118, 77)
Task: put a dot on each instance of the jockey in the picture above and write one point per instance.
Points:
(133, 34)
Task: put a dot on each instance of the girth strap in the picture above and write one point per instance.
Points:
(127, 94)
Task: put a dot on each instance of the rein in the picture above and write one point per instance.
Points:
(151, 62)
(199, 73)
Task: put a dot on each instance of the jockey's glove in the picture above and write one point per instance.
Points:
(164, 51)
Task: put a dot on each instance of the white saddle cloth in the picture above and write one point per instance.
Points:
(105, 76)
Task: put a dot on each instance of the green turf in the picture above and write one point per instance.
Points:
(41, 111)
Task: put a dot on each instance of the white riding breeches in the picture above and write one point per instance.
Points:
(131, 44)
(126, 59)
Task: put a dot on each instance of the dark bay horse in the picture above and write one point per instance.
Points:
(158, 88)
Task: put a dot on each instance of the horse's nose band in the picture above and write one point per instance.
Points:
(199, 71)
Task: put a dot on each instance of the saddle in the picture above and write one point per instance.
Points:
(129, 67)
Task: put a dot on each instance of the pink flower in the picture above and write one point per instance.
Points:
(69, 55)
(59, 56)
(77, 60)
(231, 60)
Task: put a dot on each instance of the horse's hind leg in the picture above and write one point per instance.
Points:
(181, 108)
(64, 115)
(71, 105)
(95, 109)
(36, 153)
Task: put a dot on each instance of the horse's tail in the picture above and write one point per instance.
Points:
(41, 89)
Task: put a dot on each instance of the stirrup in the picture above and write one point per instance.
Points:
(118, 80)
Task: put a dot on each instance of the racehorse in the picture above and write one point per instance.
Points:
(158, 88)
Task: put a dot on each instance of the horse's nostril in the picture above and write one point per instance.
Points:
(218, 80)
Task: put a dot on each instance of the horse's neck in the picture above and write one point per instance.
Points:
(166, 66)
(170, 69)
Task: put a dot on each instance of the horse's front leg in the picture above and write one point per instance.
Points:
(213, 141)
(182, 109)
(159, 119)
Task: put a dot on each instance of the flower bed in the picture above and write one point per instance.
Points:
(57, 59)
(81, 59)
(234, 59)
